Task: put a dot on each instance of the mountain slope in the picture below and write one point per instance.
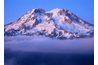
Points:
(58, 23)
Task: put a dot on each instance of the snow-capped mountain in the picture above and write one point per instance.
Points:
(57, 23)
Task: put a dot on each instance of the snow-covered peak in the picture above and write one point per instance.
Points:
(39, 10)
(55, 10)
(58, 23)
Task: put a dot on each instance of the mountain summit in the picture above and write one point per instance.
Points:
(57, 23)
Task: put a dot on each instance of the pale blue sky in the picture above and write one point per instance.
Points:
(16, 8)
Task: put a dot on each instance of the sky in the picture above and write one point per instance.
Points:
(16, 8)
